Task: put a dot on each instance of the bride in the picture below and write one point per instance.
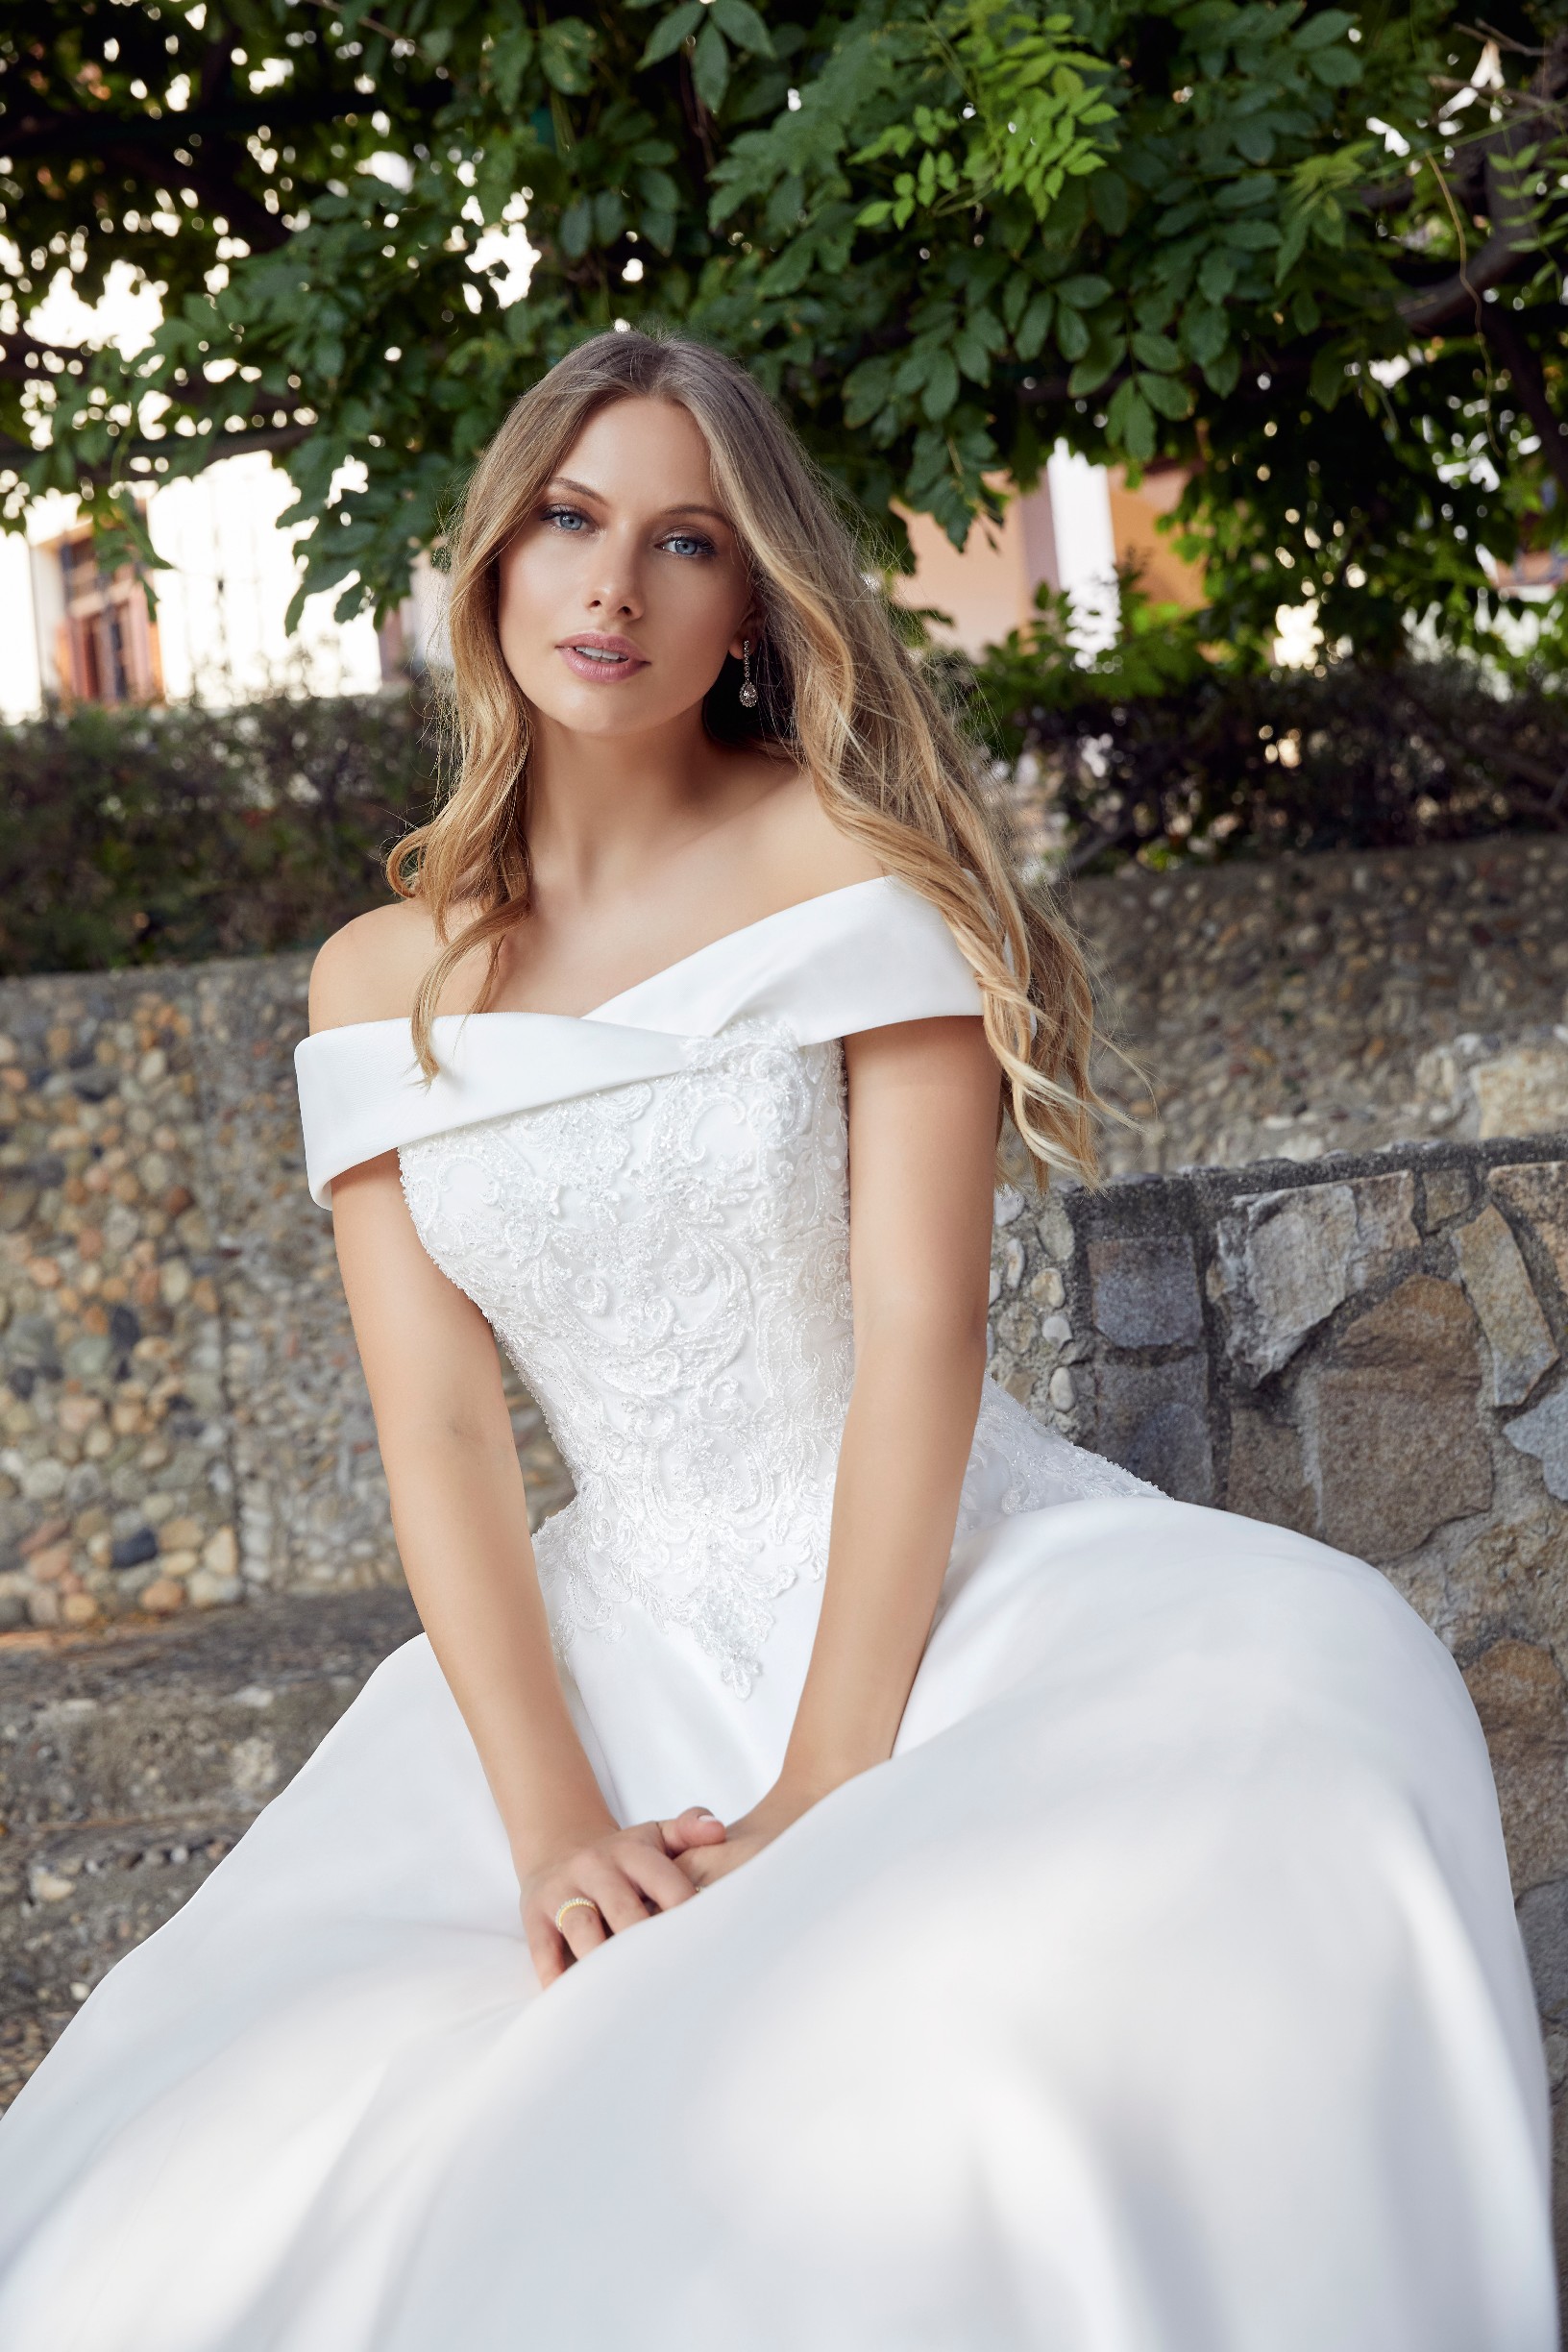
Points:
(1105, 1940)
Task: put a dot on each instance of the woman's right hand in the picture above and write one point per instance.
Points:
(622, 1876)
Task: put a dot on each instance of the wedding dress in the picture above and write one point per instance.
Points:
(1161, 1993)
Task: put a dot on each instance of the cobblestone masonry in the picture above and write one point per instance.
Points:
(184, 1419)
(1337, 1003)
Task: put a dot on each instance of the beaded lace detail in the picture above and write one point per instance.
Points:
(667, 1266)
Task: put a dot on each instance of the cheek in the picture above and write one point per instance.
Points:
(525, 595)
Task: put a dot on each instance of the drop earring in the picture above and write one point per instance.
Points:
(749, 693)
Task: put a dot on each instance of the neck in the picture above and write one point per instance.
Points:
(603, 807)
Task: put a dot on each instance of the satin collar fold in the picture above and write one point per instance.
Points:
(854, 959)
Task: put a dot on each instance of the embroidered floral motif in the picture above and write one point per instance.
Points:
(667, 1266)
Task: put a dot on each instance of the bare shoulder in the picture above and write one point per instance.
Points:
(803, 852)
(371, 969)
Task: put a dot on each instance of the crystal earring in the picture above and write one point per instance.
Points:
(749, 693)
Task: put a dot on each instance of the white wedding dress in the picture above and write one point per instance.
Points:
(1162, 1993)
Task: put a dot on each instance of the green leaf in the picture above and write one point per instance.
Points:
(669, 31)
(1035, 327)
(744, 27)
(1083, 293)
(1326, 381)
(1130, 422)
(577, 229)
(941, 386)
(1243, 195)
(1101, 360)
(710, 65)
(509, 60)
(1255, 140)
(566, 53)
(1337, 68)
(1223, 373)
(972, 357)
(1163, 393)
(1156, 351)
(609, 216)
(1071, 332)
(1204, 331)
(656, 187)
(1216, 274)
(1109, 200)
(1319, 30)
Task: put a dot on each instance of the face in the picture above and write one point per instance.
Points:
(621, 593)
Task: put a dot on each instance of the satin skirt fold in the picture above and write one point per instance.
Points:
(1161, 1993)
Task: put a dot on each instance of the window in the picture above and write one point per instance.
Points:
(104, 639)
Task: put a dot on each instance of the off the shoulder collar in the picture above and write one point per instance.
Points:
(858, 958)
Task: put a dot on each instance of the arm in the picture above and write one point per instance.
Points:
(923, 1110)
(461, 1522)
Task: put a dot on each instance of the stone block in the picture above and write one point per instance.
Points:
(1543, 1432)
(1266, 1477)
(1153, 1419)
(1285, 1261)
(1537, 1193)
(1401, 1449)
(1522, 1701)
(1543, 1923)
(1497, 1283)
(1145, 1291)
(1523, 1090)
(1449, 1193)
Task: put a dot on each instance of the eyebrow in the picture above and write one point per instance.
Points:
(564, 482)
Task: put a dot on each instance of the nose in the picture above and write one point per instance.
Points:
(614, 590)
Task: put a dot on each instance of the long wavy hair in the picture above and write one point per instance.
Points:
(836, 693)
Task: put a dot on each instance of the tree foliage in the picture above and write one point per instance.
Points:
(1316, 257)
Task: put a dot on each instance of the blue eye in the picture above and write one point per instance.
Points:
(688, 543)
(565, 518)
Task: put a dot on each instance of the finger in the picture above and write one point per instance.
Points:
(696, 1826)
(664, 1882)
(619, 1904)
(546, 1949)
(582, 1930)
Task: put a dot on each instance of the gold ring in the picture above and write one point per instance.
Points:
(573, 1903)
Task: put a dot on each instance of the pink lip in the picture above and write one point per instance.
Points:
(578, 651)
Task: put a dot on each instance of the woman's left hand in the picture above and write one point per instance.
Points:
(705, 1865)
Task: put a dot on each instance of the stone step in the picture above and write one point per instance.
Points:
(130, 1766)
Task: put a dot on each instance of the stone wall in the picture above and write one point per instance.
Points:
(181, 1418)
(1310, 1005)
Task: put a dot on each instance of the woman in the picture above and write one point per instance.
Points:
(1109, 1947)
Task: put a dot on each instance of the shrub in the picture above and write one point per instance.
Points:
(127, 837)
(1157, 750)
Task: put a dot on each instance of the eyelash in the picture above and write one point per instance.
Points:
(557, 516)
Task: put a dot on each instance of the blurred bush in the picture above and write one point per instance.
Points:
(1158, 747)
(129, 836)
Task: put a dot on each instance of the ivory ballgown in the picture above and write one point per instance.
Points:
(1162, 1993)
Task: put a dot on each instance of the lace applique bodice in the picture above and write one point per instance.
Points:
(667, 1266)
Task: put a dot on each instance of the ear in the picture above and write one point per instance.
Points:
(751, 628)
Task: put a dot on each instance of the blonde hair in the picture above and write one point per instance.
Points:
(837, 690)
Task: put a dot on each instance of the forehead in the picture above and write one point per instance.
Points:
(648, 450)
